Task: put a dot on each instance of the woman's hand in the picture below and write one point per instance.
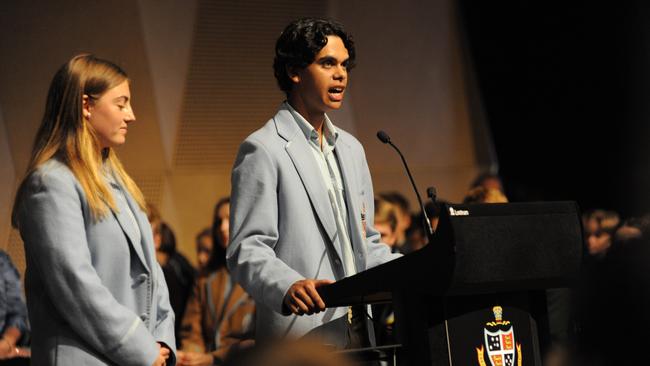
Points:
(163, 355)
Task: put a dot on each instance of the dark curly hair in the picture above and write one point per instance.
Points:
(299, 43)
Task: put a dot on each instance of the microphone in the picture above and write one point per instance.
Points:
(383, 137)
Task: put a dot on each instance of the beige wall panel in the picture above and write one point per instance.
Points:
(194, 198)
(151, 185)
(39, 45)
(168, 29)
(7, 182)
(230, 92)
(409, 82)
(202, 81)
(37, 38)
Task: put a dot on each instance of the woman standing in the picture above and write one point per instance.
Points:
(95, 293)
(219, 318)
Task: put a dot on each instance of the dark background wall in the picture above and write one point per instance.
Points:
(566, 92)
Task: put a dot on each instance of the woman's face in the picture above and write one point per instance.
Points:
(203, 250)
(110, 115)
(224, 215)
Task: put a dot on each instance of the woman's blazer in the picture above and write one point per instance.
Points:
(95, 293)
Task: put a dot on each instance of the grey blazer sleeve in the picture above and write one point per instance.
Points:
(254, 227)
(52, 226)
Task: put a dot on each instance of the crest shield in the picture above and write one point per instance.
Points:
(500, 347)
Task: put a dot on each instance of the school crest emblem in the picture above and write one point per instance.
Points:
(499, 343)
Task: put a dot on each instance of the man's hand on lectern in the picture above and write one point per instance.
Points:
(302, 297)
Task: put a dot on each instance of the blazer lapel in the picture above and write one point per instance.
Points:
(127, 225)
(303, 160)
(353, 198)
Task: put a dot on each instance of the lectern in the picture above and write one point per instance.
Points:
(475, 295)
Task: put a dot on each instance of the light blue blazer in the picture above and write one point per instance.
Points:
(282, 224)
(95, 293)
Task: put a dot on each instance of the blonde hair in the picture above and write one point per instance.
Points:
(480, 194)
(66, 136)
(386, 212)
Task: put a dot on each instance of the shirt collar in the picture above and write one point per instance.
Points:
(329, 130)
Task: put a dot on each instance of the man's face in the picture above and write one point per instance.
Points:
(321, 85)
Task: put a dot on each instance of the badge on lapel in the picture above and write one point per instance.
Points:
(363, 219)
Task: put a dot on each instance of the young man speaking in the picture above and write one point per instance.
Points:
(302, 199)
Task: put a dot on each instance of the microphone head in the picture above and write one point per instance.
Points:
(383, 137)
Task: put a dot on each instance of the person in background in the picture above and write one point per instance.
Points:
(386, 222)
(486, 188)
(417, 237)
(290, 353)
(615, 296)
(220, 315)
(221, 223)
(489, 181)
(203, 250)
(404, 219)
(633, 228)
(95, 293)
(13, 312)
(599, 229)
(481, 194)
(179, 273)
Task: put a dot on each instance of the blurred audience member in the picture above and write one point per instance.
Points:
(179, 273)
(417, 238)
(386, 222)
(13, 313)
(489, 181)
(219, 315)
(203, 250)
(614, 319)
(221, 223)
(599, 227)
(386, 225)
(433, 212)
(289, 353)
(481, 194)
(403, 215)
(633, 228)
(486, 188)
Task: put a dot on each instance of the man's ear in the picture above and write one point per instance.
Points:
(293, 73)
(86, 107)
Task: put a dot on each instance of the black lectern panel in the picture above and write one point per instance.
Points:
(499, 247)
